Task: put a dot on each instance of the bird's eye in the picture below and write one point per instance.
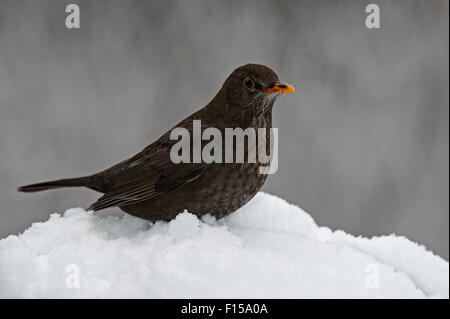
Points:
(248, 83)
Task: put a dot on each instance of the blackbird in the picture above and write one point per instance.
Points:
(150, 185)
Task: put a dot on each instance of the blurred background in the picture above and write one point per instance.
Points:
(364, 142)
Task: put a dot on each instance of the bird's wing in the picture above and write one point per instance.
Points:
(148, 175)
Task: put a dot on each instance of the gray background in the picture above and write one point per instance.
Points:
(363, 142)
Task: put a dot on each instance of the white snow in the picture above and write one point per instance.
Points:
(267, 249)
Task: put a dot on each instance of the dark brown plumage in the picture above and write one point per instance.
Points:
(149, 185)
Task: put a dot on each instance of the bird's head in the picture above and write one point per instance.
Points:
(253, 86)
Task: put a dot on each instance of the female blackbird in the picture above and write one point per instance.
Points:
(151, 186)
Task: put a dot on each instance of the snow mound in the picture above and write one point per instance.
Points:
(267, 249)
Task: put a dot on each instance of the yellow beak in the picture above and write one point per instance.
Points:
(280, 87)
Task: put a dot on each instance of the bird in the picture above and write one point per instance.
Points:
(151, 186)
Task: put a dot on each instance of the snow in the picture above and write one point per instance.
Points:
(267, 249)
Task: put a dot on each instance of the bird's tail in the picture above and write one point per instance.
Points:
(85, 181)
